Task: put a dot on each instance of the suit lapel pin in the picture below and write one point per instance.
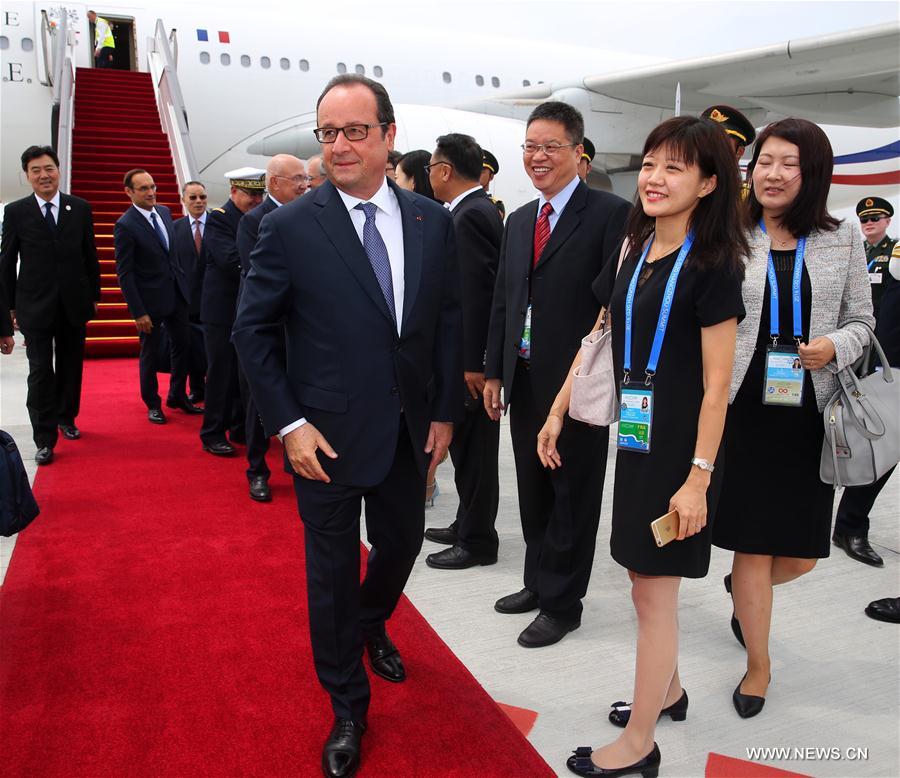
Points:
(419, 217)
(68, 207)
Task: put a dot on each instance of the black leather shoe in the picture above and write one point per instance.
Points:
(156, 416)
(70, 431)
(677, 711)
(220, 448)
(735, 624)
(887, 609)
(185, 405)
(520, 602)
(857, 547)
(259, 488)
(340, 757)
(582, 764)
(385, 658)
(445, 535)
(545, 631)
(457, 558)
(44, 455)
(747, 705)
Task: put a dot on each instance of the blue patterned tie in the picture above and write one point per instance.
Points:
(159, 231)
(48, 216)
(378, 256)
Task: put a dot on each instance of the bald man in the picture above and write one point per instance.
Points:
(286, 180)
(315, 169)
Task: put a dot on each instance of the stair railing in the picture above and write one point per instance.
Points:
(172, 111)
(63, 84)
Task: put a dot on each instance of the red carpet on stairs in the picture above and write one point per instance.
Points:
(116, 128)
(154, 624)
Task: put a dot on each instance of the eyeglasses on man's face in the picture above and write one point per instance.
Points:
(873, 219)
(351, 132)
(435, 164)
(548, 148)
(197, 197)
(295, 179)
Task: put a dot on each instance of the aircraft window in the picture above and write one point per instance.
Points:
(526, 82)
(285, 63)
(245, 60)
(360, 69)
(341, 68)
(447, 77)
(225, 59)
(27, 44)
(377, 71)
(479, 80)
(495, 81)
(4, 42)
(204, 57)
(304, 65)
(265, 63)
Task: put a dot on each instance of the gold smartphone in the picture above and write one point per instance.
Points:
(665, 528)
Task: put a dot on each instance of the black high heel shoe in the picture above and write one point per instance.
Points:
(677, 711)
(735, 624)
(747, 705)
(581, 764)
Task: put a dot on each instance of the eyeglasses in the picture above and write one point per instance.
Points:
(873, 219)
(295, 179)
(432, 164)
(351, 132)
(548, 148)
(197, 197)
(145, 188)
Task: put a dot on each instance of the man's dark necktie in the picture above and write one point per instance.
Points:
(198, 238)
(542, 231)
(48, 217)
(378, 256)
(159, 231)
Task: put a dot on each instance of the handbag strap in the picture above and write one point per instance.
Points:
(873, 343)
(622, 254)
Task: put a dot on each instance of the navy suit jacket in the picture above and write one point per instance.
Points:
(347, 371)
(193, 266)
(151, 278)
(218, 301)
(248, 231)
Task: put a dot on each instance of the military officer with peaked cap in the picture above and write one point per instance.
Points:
(737, 127)
(489, 168)
(218, 305)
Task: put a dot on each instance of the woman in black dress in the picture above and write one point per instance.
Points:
(687, 213)
(774, 511)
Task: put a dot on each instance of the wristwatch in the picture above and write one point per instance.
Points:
(703, 464)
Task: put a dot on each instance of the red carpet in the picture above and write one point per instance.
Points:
(154, 623)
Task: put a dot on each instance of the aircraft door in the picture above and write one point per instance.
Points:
(124, 35)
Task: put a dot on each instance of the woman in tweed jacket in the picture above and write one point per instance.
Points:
(775, 512)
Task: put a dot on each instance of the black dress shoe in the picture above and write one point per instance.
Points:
(677, 711)
(521, 602)
(340, 757)
(219, 448)
(857, 547)
(457, 558)
(887, 609)
(747, 705)
(259, 488)
(44, 455)
(545, 631)
(445, 535)
(735, 624)
(184, 405)
(385, 658)
(70, 431)
(156, 416)
(582, 764)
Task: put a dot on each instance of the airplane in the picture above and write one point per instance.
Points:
(246, 86)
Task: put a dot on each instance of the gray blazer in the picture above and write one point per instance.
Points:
(836, 263)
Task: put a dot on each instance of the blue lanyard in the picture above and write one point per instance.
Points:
(795, 292)
(663, 322)
(872, 264)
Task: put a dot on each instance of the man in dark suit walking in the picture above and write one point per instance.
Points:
(51, 235)
(358, 280)
(285, 182)
(222, 409)
(553, 248)
(454, 172)
(156, 290)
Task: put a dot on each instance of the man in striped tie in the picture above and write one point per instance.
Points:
(554, 247)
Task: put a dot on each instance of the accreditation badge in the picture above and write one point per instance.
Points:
(783, 382)
(525, 342)
(635, 418)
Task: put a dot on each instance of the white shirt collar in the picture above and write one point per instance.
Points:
(42, 202)
(277, 204)
(384, 199)
(146, 214)
(561, 198)
(201, 218)
(459, 198)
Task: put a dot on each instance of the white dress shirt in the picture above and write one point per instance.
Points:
(194, 220)
(159, 221)
(559, 201)
(389, 222)
(54, 206)
(459, 198)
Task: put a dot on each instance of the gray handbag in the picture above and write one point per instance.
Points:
(862, 423)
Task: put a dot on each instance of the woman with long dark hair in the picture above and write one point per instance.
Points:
(805, 282)
(412, 175)
(681, 276)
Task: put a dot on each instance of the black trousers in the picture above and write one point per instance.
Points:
(105, 58)
(856, 505)
(197, 361)
(222, 402)
(257, 440)
(179, 344)
(54, 386)
(341, 610)
(560, 509)
(474, 452)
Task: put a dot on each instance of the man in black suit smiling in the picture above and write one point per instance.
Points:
(349, 331)
(51, 235)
